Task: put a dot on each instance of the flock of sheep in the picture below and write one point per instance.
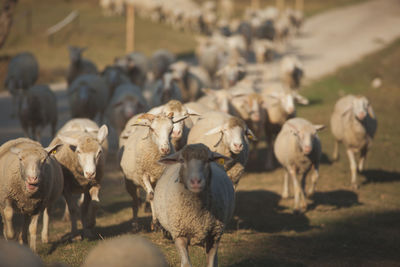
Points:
(185, 134)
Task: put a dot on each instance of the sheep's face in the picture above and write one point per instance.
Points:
(113, 76)
(234, 138)
(179, 70)
(360, 107)
(161, 129)
(248, 106)
(287, 103)
(75, 53)
(306, 134)
(167, 87)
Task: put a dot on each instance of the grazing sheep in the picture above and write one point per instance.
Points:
(278, 105)
(136, 66)
(114, 76)
(194, 200)
(160, 62)
(188, 82)
(124, 251)
(82, 160)
(30, 180)
(17, 255)
(226, 135)
(162, 90)
(79, 65)
(88, 97)
(38, 108)
(292, 72)
(127, 101)
(298, 149)
(22, 73)
(354, 124)
(147, 141)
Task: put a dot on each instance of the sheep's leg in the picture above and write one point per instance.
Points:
(353, 169)
(73, 211)
(314, 179)
(84, 215)
(132, 190)
(363, 156)
(181, 244)
(45, 227)
(8, 229)
(298, 193)
(285, 191)
(212, 254)
(150, 196)
(33, 231)
(93, 206)
(66, 216)
(269, 165)
(335, 155)
(25, 227)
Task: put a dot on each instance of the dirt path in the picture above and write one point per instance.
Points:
(328, 41)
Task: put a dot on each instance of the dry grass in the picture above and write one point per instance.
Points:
(341, 228)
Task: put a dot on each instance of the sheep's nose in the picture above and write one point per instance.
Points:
(195, 181)
(176, 133)
(361, 115)
(255, 117)
(32, 179)
(165, 150)
(90, 175)
(238, 146)
(290, 110)
(307, 149)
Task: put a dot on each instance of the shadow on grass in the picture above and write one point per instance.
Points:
(380, 176)
(338, 199)
(325, 159)
(261, 262)
(123, 227)
(260, 211)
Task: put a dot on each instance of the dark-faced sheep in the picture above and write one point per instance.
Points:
(79, 65)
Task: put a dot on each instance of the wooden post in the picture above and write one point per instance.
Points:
(300, 5)
(130, 28)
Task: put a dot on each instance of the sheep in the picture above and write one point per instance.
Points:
(127, 101)
(114, 76)
(230, 74)
(264, 50)
(149, 139)
(180, 129)
(218, 100)
(278, 105)
(88, 97)
(31, 179)
(188, 82)
(226, 135)
(22, 73)
(198, 109)
(123, 251)
(162, 90)
(17, 255)
(82, 161)
(194, 200)
(354, 124)
(201, 74)
(292, 72)
(136, 66)
(160, 62)
(298, 149)
(79, 65)
(38, 108)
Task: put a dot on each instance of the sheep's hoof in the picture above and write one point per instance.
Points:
(354, 186)
(45, 240)
(135, 227)
(310, 193)
(285, 195)
(88, 234)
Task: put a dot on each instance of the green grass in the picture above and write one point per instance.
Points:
(342, 227)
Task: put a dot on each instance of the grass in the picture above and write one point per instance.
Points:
(341, 228)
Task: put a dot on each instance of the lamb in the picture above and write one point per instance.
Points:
(278, 105)
(31, 179)
(188, 82)
(160, 62)
(114, 76)
(298, 149)
(79, 65)
(126, 250)
(22, 73)
(226, 135)
(162, 90)
(354, 124)
(194, 200)
(136, 66)
(38, 108)
(292, 72)
(82, 159)
(17, 255)
(127, 101)
(146, 143)
(88, 97)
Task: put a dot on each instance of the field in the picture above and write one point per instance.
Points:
(341, 227)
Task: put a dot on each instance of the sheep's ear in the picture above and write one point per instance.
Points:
(51, 150)
(91, 130)
(191, 112)
(144, 120)
(319, 127)
(218, 158)
(347, 110)
(371, 112)
(170, 115)
(102, 134)
(215, 130)
(179, 118)
(293, 128)
(172, 159)
(68, 140)
(251, 135)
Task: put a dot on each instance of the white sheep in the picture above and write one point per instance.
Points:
(226, 135)
(78, 64)
(147, 140)
(194, 200)
(88, 96)
(298, 149)
(83, 161)
(218, 100)
(354, 124)
(124, 251)
(264, 50)
(292, 72)
(38, 108)
(31, 180)
(230, 74)
(22, 73)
